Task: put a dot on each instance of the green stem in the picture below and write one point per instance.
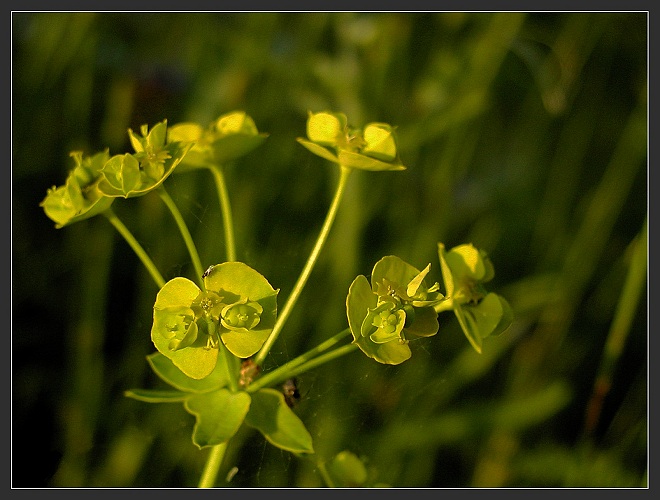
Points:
(325, 476)
(225, 206)
(309, 265)
(293, 367)
(328, 356)
(445, 305)
(213, 463)
(185, 233)
(137, 248)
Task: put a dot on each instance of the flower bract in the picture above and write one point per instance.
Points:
(395, 308)
(480, 314)
(238, 309)
(79, 198)
(330, 137)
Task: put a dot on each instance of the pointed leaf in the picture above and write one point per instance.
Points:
(319, 150)
(270, 414)
(363, 162)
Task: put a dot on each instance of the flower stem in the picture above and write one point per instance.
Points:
(225, 207)
(183, 229)
(212, 466)
(306, 360)
(309, 265)
(445, 305)
(137, 248)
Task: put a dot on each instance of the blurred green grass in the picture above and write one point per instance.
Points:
(525, 134)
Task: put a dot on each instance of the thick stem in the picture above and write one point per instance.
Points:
(185, 233)
(213, 463)
(137, 248)
(225, 207)
(309, 265)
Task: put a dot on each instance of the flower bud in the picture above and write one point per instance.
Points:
(122, 172)
(380, 142)
(326, 129)
(237, 122)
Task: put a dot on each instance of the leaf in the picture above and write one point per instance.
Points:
(218, 415)
(363, 162)
(168, 372)
(491, 316)
(359, 300)
(271, 416)
(171, 314)
(447, 276)
(381, 143)
(395, 270)
(241, 281)
(234, 146)
(469, 328)
(244, 344)
(176, 151)
(156, 396)
(424, 325)
(326, 128)
(319, 150)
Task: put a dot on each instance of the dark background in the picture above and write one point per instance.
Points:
(525, 134)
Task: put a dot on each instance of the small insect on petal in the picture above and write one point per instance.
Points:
(207, 272)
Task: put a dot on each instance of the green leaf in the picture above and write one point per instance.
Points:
(235, 122)
(168, 372)
(156, 396)
(359, 300)
(113, 186)
(79, 198)
(424, 325)
(469, 327)
(229, 137)
(218, 415)
(468, 263)
(380, 142)
(319, 150)
(271, 416)
(325, 128)
(231, 147)
(447, 276)
(506, 319)
(235, 281)
(491, 316)
(173, 320)
(395, 270)
(362, 162)
(200, 154)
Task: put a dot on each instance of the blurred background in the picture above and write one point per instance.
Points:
(525, 134)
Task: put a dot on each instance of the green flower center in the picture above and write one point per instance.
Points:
(243, 315)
